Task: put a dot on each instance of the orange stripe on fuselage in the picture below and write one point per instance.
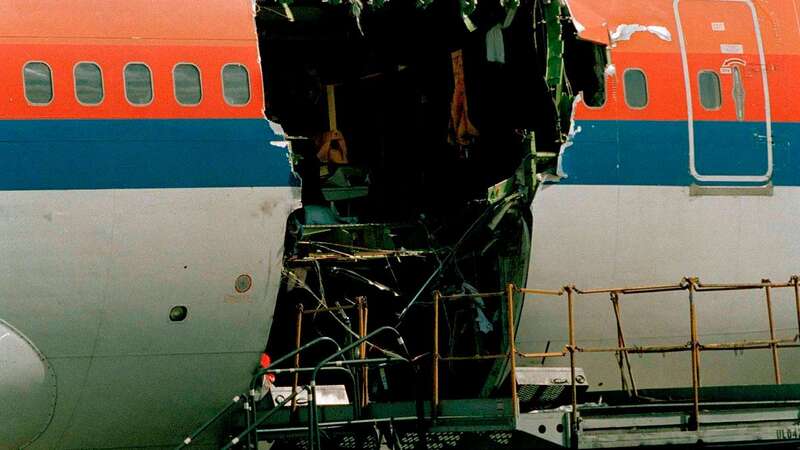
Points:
(112, 59)
(661, 59)
(129, 19)
(668, 96)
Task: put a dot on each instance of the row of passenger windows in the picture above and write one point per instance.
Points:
(89, 86)
(637, 95)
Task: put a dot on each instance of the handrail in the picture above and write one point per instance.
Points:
(337, 365)
(251, 428)
(294, 352)
(189, 439)
(361, 306)
(692, 286)
(469, 296)
(253, 407)
(266, 416)
(313, 431)
(509, 354)
(248, 397)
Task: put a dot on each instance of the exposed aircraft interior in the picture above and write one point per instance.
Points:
(399, 224)
(420, 135)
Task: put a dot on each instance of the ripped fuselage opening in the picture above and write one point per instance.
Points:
(418, 135)
(586, 64)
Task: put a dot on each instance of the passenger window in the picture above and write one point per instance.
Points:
(88, 83)
(710, 90)
(138, 84)
(38, 83)
(236, 84)
(188, 89)
(636, 95)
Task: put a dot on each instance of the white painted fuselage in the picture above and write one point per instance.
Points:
(90, 277)
(626, 236)
(687, 170)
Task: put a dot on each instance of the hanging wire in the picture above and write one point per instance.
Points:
(302, 284)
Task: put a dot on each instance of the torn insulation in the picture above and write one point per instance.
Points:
(625, 32)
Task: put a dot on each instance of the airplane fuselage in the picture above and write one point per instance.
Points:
(687, 169)
(143, 205)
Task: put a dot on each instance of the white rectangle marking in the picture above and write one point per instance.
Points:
(718, 26)
(731, 49)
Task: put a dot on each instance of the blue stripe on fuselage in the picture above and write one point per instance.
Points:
(656, 153)
(137, 154)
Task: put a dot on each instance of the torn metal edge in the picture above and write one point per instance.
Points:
(281, 140)
(625, 31)
(580, 28)
(574, 130)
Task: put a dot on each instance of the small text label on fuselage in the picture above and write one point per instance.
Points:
(790, 433)
(731, 49)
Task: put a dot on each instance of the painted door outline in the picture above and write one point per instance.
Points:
(690, 102)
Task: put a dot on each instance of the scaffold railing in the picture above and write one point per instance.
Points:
(692, 286)
(358, 361)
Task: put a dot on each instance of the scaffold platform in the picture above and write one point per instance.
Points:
(759, 416)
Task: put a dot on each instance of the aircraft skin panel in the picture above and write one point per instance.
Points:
(141, 153)
(116, 262)
(615, 236)
(654, 153)
(111, 214)
(630, 210)
(188, 20)
(162, 404)
(160, 57)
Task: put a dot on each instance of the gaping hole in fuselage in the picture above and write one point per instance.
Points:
(417, 143)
